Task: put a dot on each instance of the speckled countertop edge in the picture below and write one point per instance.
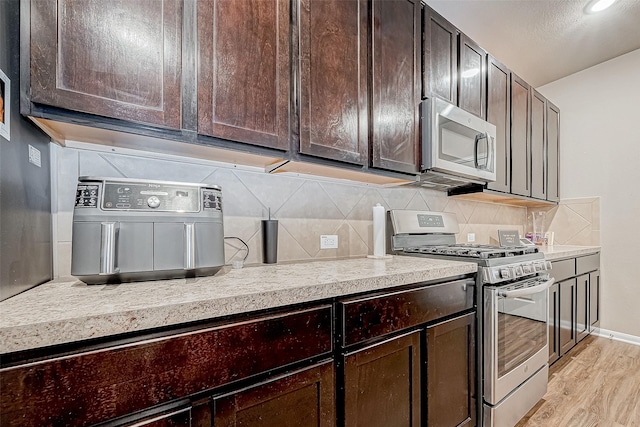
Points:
(557, 252)
(67, 310)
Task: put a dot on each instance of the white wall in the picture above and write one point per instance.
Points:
(600, 156)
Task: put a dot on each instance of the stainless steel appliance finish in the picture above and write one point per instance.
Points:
(458, 148)
(512, 307)
(128, 230)
(26, 257)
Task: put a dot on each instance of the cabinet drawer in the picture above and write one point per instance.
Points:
(587, 263)
(99, 385)
(561, 270)
(382, 314)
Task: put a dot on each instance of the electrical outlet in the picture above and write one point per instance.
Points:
(471, 237)
(328, 241)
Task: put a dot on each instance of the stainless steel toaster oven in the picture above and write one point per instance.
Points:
(130, 230)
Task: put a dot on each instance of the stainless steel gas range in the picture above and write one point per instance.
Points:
(512, 309)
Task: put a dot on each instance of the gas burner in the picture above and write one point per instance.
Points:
(473, 251)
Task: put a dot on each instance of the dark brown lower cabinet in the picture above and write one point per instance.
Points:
(304, 398)
(554, 322)
(451, 378)
(582, 307)
(567, 315)
(382, 384)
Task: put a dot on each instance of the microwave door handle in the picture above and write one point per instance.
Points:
(518, 293)
(476, 142)
(489, 150)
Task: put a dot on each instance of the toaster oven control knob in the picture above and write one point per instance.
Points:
(153, 202)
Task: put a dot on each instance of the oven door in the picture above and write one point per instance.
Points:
(515, 335)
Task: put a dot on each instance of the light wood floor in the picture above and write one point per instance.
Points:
(596, 384)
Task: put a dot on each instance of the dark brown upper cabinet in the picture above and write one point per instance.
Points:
(498, 113)
(333, 79)
(395, 85)
(538, 146)
(520, 137)
(244, 71)
(472, 77)
(440, 57)
(123, 61)
(553, 152)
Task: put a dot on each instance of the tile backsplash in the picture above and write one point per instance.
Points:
(305, 206)
(573, 221)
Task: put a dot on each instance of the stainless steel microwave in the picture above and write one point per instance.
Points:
(458, 148)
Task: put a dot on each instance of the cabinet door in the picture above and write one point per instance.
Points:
(382, 384)
(304, 398)
(567, 315)
(440, 57)
(122, 61)
(395, 62)
(520, 142)
(594, 300)
(538, 146)
(553, 152)
(333, 74)
(451, 372)
(554, 323)
(498, 113)
(472, 77)
(244, 71)
(582, 307)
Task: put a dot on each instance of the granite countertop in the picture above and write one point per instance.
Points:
(556, 252)
(67, 310)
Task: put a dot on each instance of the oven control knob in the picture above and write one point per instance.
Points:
(518, 271)
(527, 269)
(547, 264)
(538, 266)
(505, 273)
(153, 202)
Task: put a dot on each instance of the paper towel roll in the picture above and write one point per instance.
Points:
(379, 248)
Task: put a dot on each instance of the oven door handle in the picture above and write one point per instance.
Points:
(527, 291)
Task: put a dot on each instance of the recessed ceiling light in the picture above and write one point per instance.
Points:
(599, 5)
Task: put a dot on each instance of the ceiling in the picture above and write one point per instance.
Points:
(545, 40)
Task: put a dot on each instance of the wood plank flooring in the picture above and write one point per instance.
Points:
(596, 384)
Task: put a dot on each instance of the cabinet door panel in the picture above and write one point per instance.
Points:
(122, 61)
(553, 152)
(594, 300)
(472, 72)
(301, 399)
(451, 378)
(554, 323)
(333, 73)
(520, 142)
(395, 85)
(244, 71)
(538, 146)
(440, 57)
(498, 113)
(582, 307)
(567, 315)
(382, 384)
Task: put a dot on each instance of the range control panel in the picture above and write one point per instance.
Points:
(148, 197)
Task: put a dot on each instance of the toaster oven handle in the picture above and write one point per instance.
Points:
(108, 248)
(189, 246)
(516, 293)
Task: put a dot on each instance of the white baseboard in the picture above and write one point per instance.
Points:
(619, 336)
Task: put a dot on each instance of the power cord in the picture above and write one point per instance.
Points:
(246, 247)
